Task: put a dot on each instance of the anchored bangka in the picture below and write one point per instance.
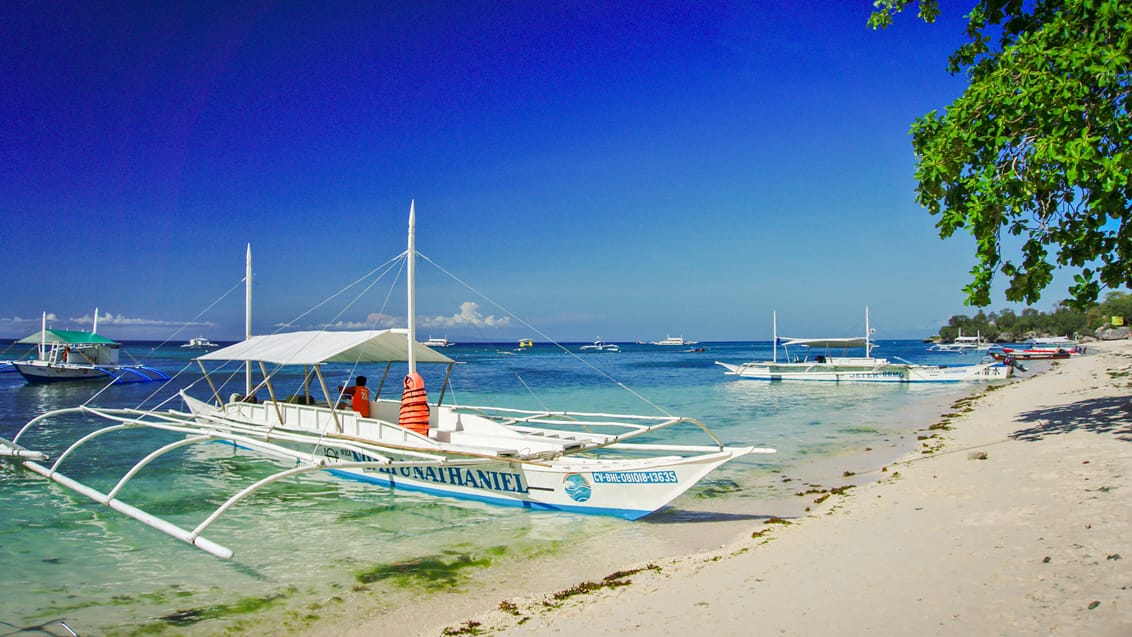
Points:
(670, 341)
(962, 344)
(601, 346)
(70, 355)
(541, 460)
(829, 366)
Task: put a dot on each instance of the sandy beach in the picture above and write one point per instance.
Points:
(1011, 519)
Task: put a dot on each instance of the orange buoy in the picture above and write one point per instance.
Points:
(414, 405)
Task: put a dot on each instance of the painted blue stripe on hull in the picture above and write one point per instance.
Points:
(848, 380)
(627, 514)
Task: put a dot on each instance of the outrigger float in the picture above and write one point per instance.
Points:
(540, 460)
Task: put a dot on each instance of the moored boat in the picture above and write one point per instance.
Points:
(199, 342)
(74, 355)
(601, 346)
(962, 344)
(670, 341)
(838, 362)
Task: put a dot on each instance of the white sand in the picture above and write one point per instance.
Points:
(1035, 539)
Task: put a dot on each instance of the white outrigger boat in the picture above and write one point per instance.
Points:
(601, 346)
(540, 460)
(199, 342)
(962, 344)
(857, 369)
(670, 341)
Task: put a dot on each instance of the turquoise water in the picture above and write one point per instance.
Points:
(307, 549)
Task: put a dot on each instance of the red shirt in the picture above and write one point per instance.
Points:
(360, 401)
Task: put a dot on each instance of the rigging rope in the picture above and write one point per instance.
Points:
(534, 329)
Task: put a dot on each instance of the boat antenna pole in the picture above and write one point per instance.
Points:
(94, 329)
(43, 339)
(248, 317)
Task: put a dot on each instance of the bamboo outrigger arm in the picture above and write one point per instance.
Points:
(198, 433)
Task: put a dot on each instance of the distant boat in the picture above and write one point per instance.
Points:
(601, 346)
(199, 342)
(674, 340)
(860, 369)
(1057, 347)
(438, 342)
(1054, 342)
(526, 342)
(68, 355)
(962, 344)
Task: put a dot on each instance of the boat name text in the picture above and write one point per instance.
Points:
(502, 481)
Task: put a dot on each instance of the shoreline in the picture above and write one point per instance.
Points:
(1027, 539)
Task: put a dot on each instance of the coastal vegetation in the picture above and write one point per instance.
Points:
(1034, 159)
(1008, 326)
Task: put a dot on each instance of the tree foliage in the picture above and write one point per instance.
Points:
(1038, 146)
(1064, 320)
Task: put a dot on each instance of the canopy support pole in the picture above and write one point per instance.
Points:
(271, 393)
(333, 406)
(208, 379)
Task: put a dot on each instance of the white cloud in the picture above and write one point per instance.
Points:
(375, 320)
(103, 319)
(469, 314)
(380, 320)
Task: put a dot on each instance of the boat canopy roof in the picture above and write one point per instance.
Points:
(830, 343)
(66, 337)
(317, 347)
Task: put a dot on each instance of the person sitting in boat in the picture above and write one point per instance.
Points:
(359, 396)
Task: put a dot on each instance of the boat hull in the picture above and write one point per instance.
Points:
(35, 371)
(1032, 354)
(585, 486)
(43, 372)
(884, 373)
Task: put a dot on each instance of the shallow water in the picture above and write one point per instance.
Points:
(307, 549)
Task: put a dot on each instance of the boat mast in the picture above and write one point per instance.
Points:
(248, 317)
(868, 350)
(43, 339)
(411, 276)
(94, 329)
(774, 343)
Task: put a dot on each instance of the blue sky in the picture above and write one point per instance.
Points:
(623, 172)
